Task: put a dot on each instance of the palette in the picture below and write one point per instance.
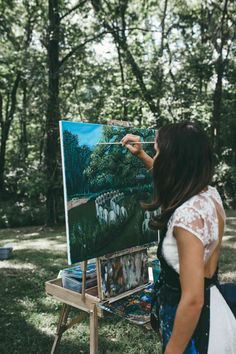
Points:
(135, 308)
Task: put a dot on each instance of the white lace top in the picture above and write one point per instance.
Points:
(198, 215)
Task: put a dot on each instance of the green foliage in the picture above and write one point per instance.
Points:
(131, 60)
(25, 204)
(23, 213)
(225, 179)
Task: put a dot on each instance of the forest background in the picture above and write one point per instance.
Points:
(142, 61)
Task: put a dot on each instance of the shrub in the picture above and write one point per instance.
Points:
(17, 214)
(225, 181)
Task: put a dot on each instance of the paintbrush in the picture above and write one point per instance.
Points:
(130, 142)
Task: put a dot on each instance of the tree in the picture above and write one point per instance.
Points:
(221, 38)
(9, 103)
(53, 108)
(145, 62)
(114, 19)
(53, 113)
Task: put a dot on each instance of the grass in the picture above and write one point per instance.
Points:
(28, 317)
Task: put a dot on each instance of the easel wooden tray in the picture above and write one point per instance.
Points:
(54, 287)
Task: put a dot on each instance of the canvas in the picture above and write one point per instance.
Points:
(103, 187)
(123, 273)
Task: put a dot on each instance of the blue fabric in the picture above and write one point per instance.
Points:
(167, 295)
(167, 316)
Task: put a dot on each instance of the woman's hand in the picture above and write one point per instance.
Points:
(133, 144)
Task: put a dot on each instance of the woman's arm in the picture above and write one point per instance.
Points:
(136, 149)
(191, 259)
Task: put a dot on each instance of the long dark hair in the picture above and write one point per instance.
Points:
(183, 168)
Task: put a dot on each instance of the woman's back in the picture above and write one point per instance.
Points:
(212, 262)
(203, 215)
(194, 317)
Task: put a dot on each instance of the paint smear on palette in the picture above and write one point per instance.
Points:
(135, 308)
(123, 273)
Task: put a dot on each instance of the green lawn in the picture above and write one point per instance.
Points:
(28, 317)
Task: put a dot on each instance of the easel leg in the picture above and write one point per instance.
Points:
(93, 331)
(60, 327)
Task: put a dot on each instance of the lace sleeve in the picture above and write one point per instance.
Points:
(190, 219)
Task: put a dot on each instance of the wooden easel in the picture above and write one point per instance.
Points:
(86, 301)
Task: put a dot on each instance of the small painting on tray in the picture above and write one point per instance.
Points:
(123, 273)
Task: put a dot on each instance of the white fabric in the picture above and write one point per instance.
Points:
(198, 215)
(222, 336)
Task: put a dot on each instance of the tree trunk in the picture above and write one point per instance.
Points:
(129, 58)
(52, 116)
(217, 97)
(217, 103)
(5, 125)
(122, 9)
(124, 94)
(23, 123)
(160, 68)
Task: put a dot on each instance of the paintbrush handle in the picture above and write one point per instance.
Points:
(131, 142)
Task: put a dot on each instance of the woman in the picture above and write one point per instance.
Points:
(194, 317)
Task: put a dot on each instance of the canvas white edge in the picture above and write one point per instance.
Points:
(65, 193)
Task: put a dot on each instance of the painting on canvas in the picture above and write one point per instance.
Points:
(123, 273)
(103, 187)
